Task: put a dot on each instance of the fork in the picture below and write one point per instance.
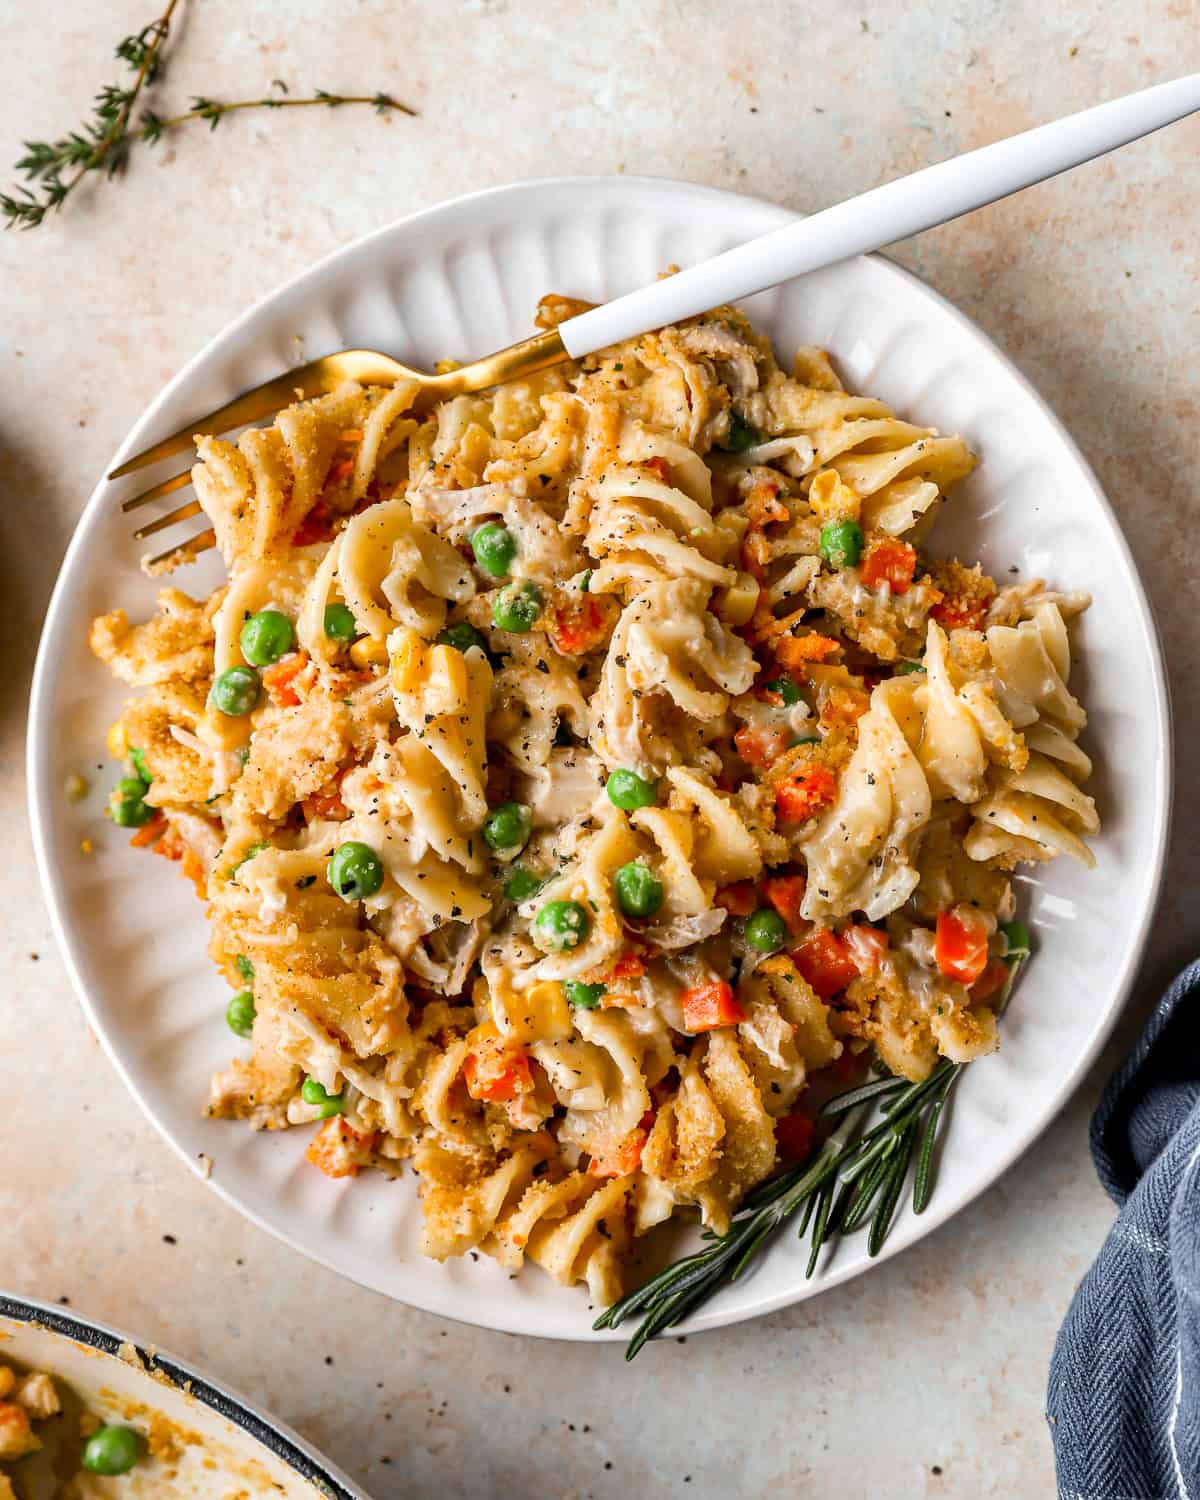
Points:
(906, 206)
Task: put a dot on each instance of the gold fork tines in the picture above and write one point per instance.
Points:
(158, 491)
(183, 513)
(317, 378)
(185, 552)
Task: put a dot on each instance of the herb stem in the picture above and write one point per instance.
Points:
(213, 109)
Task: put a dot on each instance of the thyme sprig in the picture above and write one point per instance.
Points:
(54, 169)
(857, 1177)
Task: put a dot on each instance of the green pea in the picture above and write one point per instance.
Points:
(266, 637)
(741, 435)
(562, 925)
(111, 1450)
(905, 667)
(765, 930)
(244, 967)
(629, 791)
(585, 996)
(127, 805)
(326, 1104)
(236, 691)
(240, 1013)
(522, 884)
(639, 890)
(785, 688)
(841, 543)
(340, 624)
(1017, 939)
(508, 827)
(494, 547)
(138, 757)
(516, 607)
(807, 739)
(355, 871)
(462, 637)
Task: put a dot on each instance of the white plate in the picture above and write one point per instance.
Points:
(462, 279)
(230, 1446)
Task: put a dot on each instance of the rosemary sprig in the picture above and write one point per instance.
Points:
(857, 1177)
(54, 169)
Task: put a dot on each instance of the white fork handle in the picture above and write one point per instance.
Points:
(885, 214)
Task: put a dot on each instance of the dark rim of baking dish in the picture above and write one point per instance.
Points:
(183, 1379)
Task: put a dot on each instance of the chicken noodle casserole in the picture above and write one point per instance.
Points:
(574, 772)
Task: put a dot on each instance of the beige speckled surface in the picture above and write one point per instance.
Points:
(926, 1377)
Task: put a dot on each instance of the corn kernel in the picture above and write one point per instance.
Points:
(538, 1014)
(368, 652)
(832, 499)
(118, 745)
(408, 661)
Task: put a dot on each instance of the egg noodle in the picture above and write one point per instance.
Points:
(574, 772)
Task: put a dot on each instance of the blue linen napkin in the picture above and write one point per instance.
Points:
(1124, 1394)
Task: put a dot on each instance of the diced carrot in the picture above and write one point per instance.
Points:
(991, 981)
(317, 526)
(351, 435)
(794, 1135)
(795, 650)
(738, 900)
(496, 1071)
(889, 562)
(955, 612)
(805, 793)
(579, 625)
(621, 1158)
(338, 1149)
(278, 679)
(659, 467)
(192, 867)
(709, 1005)
(761, 744)
(340, 470)
(327, 802)
(326, 805)
(786, 894)
(825, 962)
(764, 507)
(866, 946)
(960, 943)
(149, 833)
(630, 965)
